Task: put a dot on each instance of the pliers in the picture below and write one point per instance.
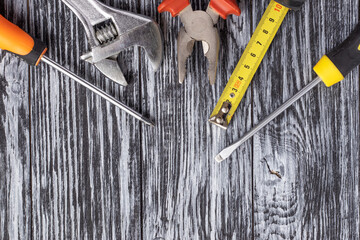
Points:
(199, 26)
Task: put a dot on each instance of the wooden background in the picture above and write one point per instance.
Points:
(73, 166)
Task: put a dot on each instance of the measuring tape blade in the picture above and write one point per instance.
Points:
(248, 64)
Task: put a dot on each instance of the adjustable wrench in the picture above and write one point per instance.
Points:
(110, 30)
(15, 40)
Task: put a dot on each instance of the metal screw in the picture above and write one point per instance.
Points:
(219, 120)
(225, 110)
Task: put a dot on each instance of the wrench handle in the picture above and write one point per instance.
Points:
(225, 7)
(173, 6)
(88, 11)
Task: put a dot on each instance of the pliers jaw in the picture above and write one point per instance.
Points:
(199, 26)
(185, 48)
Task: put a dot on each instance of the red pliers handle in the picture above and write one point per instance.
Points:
(222, 7)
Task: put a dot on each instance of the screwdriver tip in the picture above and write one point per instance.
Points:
(218, 158)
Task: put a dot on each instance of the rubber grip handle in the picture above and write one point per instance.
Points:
(173, 6)
(334, 66)
(292, 4)
(225, 7)
(15, 40)
(347, 55)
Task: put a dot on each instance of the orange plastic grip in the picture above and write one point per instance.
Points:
(173, 6)
(14, 39)
(225, 7)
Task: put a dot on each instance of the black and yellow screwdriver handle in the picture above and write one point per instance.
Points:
(15, 40)
(334, 66)
(331, 68)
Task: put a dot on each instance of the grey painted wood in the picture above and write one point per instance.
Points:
(315, 144)
(187, 195)
(75, 167)
(15, 191)
(85, 169)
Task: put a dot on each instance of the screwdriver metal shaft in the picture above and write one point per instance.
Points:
(229, 150)
(331, 69)
(96, 90)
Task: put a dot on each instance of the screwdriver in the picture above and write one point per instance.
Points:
(15, 40)
(331, 69)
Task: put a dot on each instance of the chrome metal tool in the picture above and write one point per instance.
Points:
(229, 150)
(331, 69)
(15, 40)
(199, 26)
(110, 30)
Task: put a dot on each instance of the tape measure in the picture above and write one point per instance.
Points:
(248, 64)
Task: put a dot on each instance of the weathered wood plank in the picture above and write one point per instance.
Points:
(187, 195)
(97, 173)
(315, 144)
(86, 181)
(15, 192)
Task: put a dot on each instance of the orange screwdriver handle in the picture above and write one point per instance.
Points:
(225, 7)
(173, 6)
(15, 40)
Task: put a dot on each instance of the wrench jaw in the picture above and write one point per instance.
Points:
(111, 69)
(150, 38)
(110, 31)
(147, 36)
(134, 30)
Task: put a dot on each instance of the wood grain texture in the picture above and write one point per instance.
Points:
(74, 167)
(315, 143)
(85, 170)
(187, 195)
(15, 195)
